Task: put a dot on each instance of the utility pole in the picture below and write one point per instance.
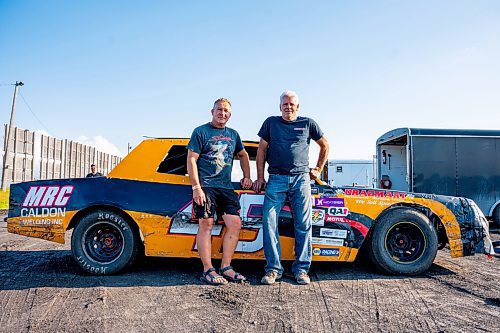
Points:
(9, 131)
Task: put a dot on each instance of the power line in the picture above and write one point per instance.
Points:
(34, 115)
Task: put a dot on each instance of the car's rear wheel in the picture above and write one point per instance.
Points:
(104, 242)
(404, 241)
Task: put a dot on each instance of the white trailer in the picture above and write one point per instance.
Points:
(351, 172)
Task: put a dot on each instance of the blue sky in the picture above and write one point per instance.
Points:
(111, 72)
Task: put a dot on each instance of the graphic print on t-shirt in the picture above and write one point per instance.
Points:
(216, 148)
(219, 152)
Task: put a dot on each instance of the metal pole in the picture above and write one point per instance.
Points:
(7, 139)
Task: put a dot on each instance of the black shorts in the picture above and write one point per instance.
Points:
(219, 201)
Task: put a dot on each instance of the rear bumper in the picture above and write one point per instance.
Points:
(480, 241)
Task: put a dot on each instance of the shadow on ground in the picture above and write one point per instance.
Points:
(56, 268)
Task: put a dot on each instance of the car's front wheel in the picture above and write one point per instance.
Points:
(104, 243)
(404, 241)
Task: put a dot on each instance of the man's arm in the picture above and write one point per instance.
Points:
(323, 156)
(246, 182)
(198, 194)
(260, 183)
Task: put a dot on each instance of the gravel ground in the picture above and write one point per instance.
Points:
(43, 290)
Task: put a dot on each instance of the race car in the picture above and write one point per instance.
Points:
(144, 206)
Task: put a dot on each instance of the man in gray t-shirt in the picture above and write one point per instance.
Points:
(284, 144)
(210, 161)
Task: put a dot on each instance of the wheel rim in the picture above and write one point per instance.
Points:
(405, 242)
(103, 242)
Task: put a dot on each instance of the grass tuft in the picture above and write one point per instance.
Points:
(4, 199)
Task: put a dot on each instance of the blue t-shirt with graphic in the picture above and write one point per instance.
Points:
(216, 147)
(288, 150)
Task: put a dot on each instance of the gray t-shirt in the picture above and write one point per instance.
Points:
(216, 147)
(288, 151)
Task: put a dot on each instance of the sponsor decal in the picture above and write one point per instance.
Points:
(338, 211)
(48, 196)
(376, 193)
(326, 252)
(43, 212)
(45, 205)
(314, 190)
(327, 241)
(379, 202)
(333, 233)
(329, 202)
(329, 218)
(42, 222)
(318, 217)
(328, 193)
(299, 129)
(251, 204)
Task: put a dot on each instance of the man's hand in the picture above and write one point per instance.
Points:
(246, 183)
(199, 196)
(315, 173)
(259, 185)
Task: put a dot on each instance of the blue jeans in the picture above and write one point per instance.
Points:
(298, 189)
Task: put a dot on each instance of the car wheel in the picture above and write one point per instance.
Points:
(404, 241)
(104, 243)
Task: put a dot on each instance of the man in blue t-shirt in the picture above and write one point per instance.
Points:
(93, 172)
(209, 163)
(284, 144)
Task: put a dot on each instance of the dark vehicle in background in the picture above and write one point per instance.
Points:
(461, 163)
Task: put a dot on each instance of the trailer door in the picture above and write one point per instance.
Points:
(477, 171)
(434, 165)
(392, 162)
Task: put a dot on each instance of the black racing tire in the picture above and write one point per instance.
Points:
(403, 242)
(105, 243)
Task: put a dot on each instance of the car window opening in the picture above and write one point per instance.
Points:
(175, 162)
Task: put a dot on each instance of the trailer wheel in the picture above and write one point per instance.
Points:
(104, 243)
(404, 241)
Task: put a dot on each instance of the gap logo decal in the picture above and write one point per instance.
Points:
(329, 202)
(48, 196)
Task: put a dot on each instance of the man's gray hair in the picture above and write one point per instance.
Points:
(222, 99)
(289, 93)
